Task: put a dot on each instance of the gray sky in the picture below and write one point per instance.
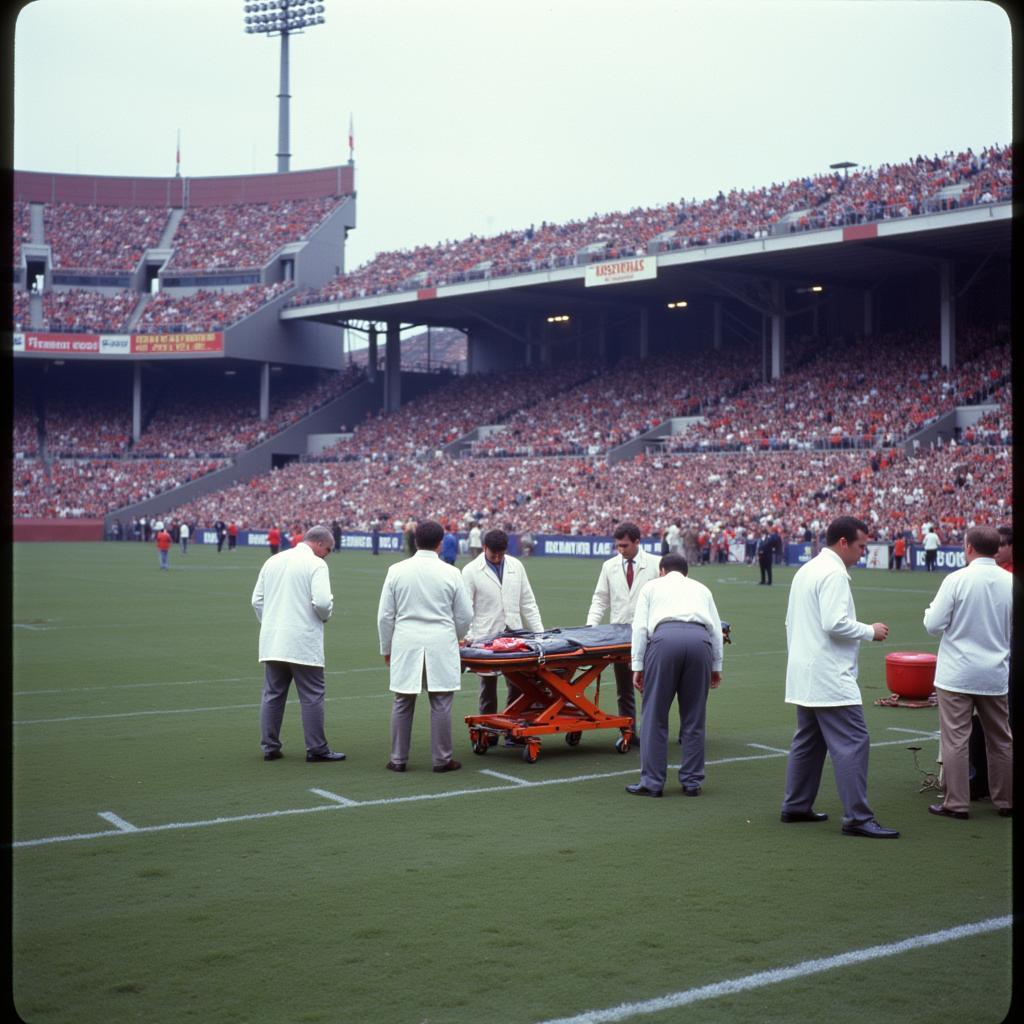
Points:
(474, 116)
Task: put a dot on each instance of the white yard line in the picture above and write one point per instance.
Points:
(516, 784)
(674, 1000)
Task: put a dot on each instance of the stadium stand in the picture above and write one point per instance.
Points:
(87, 310)
(88, 237)
(832, 200)
(207, 309)
(243, 236)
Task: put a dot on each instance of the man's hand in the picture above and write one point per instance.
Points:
(638, 681)
(716, 678)
(881, 630)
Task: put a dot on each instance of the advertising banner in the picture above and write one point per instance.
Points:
(635, 268)
(57, 344)
(946, 558)
(877, 556)
(177, 344)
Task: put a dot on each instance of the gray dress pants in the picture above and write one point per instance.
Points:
(309, 684)
(842, 733)
(440, 725)
(677, 665)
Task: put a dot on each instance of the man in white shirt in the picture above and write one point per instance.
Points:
(972, 614)
(502, 598)
(931, 550)
(423, 611)
(676, 653)
(292, 600)
(183, 535)
(618, 587)
(823, 638)
(474, 541)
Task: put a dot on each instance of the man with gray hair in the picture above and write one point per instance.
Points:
(292, 600)
(972, 614)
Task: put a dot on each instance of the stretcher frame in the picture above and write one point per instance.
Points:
(552, 699)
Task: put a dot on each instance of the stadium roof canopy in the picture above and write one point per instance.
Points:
(862, 255)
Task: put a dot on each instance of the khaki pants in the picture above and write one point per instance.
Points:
(955, 711)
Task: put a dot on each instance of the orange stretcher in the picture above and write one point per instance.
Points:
(552, 671)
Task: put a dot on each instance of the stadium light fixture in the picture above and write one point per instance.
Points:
(282, 18)
(562, 318)
(678, 304)
(844, 166)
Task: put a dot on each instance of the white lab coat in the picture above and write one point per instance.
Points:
(292, 599)
(496, 605)
(424, 610)
(972, 612)
(823, 635)
(612, 595)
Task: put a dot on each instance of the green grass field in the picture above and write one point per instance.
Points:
(220, 888)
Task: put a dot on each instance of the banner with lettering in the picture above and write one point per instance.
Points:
(634, 268)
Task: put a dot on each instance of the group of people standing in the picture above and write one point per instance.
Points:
(428, 608)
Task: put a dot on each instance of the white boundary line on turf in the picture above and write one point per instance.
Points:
(334, 805)
(507, 778)
(118, 822)
(773, 977)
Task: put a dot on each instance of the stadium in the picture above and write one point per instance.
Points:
(198, 350)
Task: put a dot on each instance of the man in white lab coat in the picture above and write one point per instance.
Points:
(292, 600)
(616, 592)
(502, 598)
(424, 610)
(972, 613)
(823, 638)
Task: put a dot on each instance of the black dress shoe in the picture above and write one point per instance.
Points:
(393, 766)
(273, 755)
(692, 791)
(329, 756)
(639, 790)
(870, 830)
(790, 816)
(944, 812)
(449, 766)
(1005, 812)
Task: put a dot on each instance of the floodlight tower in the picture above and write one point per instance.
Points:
(282, 18)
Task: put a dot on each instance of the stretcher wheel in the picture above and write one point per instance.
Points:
(573, 738)
(480, 745)
(530, 753)
(622, 744)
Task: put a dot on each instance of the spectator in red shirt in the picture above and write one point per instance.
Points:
(274, 540)
(163, 545)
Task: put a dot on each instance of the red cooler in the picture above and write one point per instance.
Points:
(910, 674)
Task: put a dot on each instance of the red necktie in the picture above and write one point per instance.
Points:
(629, 573)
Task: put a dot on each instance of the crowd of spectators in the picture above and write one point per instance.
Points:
(89, 488)
(101, 237)
(812, 202)
(709, 492)
(847, 398)
(206, 310)
(22, 233)
(87, 310)
(21, 309)
(425, 426)
(629, 399)
(244, 235)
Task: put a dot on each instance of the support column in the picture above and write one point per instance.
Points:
(136, 402)
(778, 330)
(393, 367)
(716, 335)
(869, 313)
(602, 337)
(264, 392)
(371, 353)
(644, 333)
(947, 316)
(528, 332)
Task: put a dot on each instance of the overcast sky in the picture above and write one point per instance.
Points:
(473, 116)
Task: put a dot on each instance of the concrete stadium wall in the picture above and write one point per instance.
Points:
(49, 530)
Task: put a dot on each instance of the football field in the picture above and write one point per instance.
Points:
(163, 872)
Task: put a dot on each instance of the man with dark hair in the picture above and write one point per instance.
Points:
(616, 593)
(502, 598)
(1004, 556)
(765, 551)
(972, 614)
(424, 610)
(676, 653)
(931, 550)
(292, 600)
(823, 638)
